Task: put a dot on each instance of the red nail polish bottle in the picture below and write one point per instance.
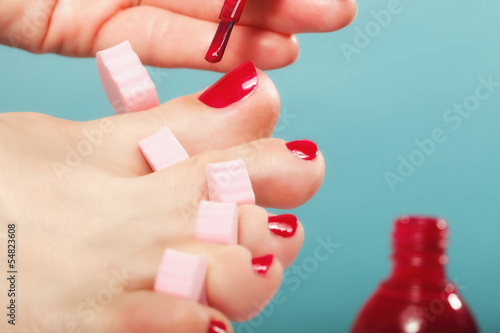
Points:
(417, 297)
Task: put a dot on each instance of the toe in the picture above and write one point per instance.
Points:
(146, 311)
(282, 176)
(199, 127)
(233, 284)
(261, 233)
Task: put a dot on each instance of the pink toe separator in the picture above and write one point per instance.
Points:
(182, 275)
(125, 80)
(229, 182)
(217, 222)
(162, 149)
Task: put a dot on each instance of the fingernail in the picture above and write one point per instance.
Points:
(232, 87)
(217, 327)
(283, 225)
(304, 149)
(261, 264)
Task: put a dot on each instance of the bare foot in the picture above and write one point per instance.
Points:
(93, 221)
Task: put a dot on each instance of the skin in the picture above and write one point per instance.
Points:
(109, 216)
(100, 226)
(170, 33)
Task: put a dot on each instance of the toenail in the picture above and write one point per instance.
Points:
(283, 225)
(232, 87)
(304, 149)
(216, 327)
(261, 264)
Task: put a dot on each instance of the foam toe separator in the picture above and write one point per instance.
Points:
(182, 275)
(162, 149)
(229, 182)
(217, 222)
(125, 80)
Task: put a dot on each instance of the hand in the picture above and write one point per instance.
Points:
(170, 33)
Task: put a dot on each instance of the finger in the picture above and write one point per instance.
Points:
(166, 39)
(286, 16)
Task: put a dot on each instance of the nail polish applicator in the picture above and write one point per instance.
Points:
(229, 15)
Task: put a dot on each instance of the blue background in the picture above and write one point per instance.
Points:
(364, 114)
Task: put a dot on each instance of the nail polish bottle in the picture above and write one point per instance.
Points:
(417, 297)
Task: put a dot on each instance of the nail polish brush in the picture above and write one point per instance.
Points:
(229, 15)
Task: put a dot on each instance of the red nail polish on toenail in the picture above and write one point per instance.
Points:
(261, 264)
(232, 87)
(217, 327)
(304, 149)
(283, 225)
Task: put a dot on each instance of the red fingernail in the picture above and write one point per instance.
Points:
(283, 225)
(304, 149)
(261, 264)
(217, 327)
(232, 87)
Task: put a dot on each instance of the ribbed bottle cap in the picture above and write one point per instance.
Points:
(421, 229)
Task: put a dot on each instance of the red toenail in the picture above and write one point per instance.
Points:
(261, 264)
(304, 149)
(217, 327)
(283, 225)
(231, 88)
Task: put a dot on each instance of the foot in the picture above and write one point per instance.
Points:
(93, 221)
